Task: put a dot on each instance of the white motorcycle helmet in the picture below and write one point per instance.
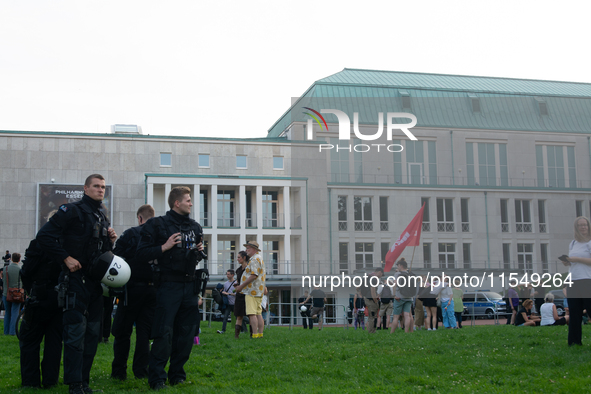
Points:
(111, 270)
(303, 308)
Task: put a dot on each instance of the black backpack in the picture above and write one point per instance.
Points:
(38, 268)
(218, 297)
(408, 288)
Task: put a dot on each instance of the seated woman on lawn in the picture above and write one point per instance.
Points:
(550, 314)
(524, 317)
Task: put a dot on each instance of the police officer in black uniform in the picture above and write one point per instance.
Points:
(175, 241)
(137, 305)
(42, 320)
(85, 233)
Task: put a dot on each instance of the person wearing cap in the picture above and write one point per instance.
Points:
(76, 235)
(173, 243)
(252, 285)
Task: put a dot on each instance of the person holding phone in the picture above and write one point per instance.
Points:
(579, 266)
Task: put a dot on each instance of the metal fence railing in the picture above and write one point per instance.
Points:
(284, 318)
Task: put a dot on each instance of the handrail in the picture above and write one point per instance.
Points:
(294, 307)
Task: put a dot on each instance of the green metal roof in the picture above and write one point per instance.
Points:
(457, 83)
(445, 101)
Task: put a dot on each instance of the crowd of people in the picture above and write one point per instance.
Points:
(160, 297)
(165, 289)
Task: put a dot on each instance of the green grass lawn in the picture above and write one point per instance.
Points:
(480, 359)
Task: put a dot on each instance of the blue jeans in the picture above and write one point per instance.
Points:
(10, 316)
(449, 318)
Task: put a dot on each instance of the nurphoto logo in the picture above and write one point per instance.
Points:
(345, 129)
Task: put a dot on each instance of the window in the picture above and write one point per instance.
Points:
(241, 161)
(445, 215)
(165, 159)
(251, 218)
(203, 161)
(426, 220)
(506, 256)
(339, 161)
(578, 208)
(542, 216)
(271, 218)
(522, 217)
(542, 106)
(397, 162)
(504, 216)
(475, 102)
(385, 249)
(427, 255)
(226, 214)
(487, 164)
(271, 255)
(418, 170)
(226, 255)
(544, 257)
(525, 258)
(383, 213)
(343, 257)
(555, 166)
(465, 218)
(342, 215)
(277, 162)
(362, 213)
(363, 255)
(357, 163)
(467, 256)
(405, 96)
(447, 255)
(204, 209)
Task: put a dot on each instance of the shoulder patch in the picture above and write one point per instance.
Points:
(64, 208)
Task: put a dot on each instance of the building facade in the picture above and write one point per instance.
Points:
(502, 166)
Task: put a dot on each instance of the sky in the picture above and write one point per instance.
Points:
(230, 68)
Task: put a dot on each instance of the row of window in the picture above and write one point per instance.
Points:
(203, 161)
(447, 256)
(486, 165)
(363, 220)
(227, 215)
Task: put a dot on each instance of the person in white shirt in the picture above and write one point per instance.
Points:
(549, 313)
(579, 294)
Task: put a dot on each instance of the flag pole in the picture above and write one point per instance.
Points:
(412, 258)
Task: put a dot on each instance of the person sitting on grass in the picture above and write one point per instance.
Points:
(524, 317)
(550, 314)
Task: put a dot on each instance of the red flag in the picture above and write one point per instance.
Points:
(410, 237)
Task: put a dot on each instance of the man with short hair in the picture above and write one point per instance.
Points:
(77, 234)
(173, 243)
(402, 305)
(136, 306)
(228, 291)
(318, 301)
(252, 285)
(370, 295)
(7, 257)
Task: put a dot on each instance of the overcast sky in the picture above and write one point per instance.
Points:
(230, 68)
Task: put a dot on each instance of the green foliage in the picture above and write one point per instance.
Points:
(480, 359)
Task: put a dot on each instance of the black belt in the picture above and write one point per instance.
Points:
(177, 278)
(141, 283)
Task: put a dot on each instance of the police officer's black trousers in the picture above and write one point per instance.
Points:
(82, 323)
(174, 325)
(41, 321)
(140, 308)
